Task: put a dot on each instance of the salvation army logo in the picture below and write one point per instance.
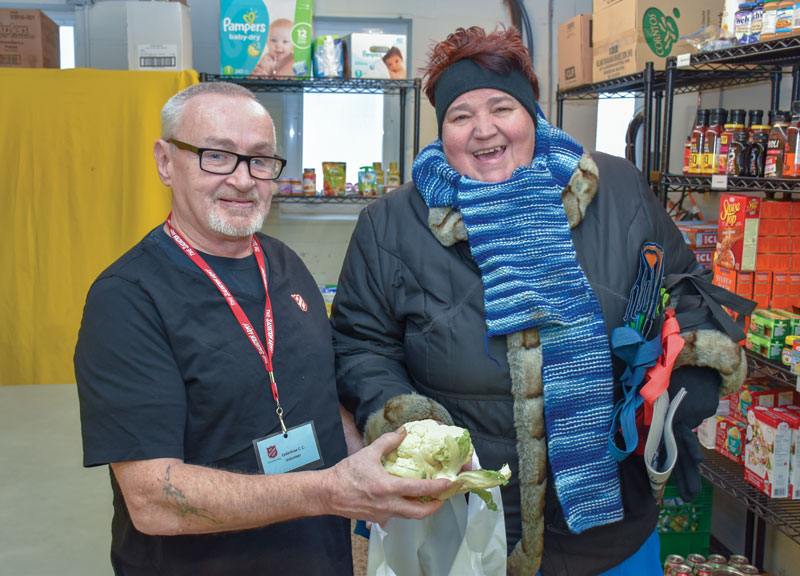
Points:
(272, 451)
(300, 302)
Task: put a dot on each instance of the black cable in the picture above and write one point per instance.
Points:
(521, 21)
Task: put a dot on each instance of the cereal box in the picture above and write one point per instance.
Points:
(730, 438)
(737, 232)
(766, 453)
(266, 38)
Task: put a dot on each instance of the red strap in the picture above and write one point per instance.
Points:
(657, 377)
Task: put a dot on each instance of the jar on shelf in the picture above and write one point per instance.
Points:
(769, 20)
(379, 176)
(393, 175)
(756, 22)
(309, 182)
(742, 22)
(784, 18)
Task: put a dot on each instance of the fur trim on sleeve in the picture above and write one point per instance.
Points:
(401, 409)
(447, 226)
(715, 350)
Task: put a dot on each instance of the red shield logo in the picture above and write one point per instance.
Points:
(300, 302)
(272, 451)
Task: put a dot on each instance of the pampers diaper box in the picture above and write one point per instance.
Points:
(374, 55)
(267, 38)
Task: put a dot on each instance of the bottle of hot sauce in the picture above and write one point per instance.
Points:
(791, 157)
(773, 166)
(735, 124)
(698, 139)
(709, 159)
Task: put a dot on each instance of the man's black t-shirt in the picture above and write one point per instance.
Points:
(164, 370)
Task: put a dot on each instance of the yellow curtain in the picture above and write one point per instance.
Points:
(80, 187)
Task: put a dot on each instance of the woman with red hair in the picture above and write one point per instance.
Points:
(484, 294)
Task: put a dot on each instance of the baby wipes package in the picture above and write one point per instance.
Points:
(266, 38)
(376, 55)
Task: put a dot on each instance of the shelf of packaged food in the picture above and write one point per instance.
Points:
(772, 368)
(317, 85)
(728, 476)
(302, 199)
(780, 52)
(680, 182)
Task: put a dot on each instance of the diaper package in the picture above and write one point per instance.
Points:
(266, 38)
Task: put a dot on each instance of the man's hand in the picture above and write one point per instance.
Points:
(361, 488)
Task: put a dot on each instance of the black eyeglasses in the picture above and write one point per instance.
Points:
(225, 162)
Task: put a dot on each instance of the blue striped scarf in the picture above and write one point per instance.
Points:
(520, 238)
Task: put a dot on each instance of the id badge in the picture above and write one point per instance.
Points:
(298, 450)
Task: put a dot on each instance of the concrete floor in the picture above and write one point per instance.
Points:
(56, 514)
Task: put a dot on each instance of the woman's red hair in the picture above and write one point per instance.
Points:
(501, 51)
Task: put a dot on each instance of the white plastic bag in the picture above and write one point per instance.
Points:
(459, 539)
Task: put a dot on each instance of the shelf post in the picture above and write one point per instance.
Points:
(402, 159)
(775, 95)
(648, 118)
(559, 110)
(669, 94)
(795, 82)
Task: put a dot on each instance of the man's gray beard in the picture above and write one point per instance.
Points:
(219, 224)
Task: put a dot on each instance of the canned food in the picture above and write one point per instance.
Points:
(703, 569)
(693, 560)
(737, 560)
(672, 560)
(725, 571)
(717, 559)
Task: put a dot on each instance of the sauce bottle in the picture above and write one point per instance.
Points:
(773, 166)
(309, 182)
(738, 154)
(736, 124)
(756, 155)
(698, 139)
(709, 159)
(791, 158)
(753, 117)
(379, 176)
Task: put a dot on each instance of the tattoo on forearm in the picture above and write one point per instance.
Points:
(178, 499)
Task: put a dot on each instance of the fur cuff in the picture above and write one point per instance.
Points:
(401, 409)
(715, 350)
(447, 226)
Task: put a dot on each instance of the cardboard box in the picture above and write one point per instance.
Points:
(575, 52)
(629, 33)
(600, 4)
(751, 393)
(792, 417)
(367, 55)
(269, 38)
(137, 36)
(699, 234)
(737, 231)
(730, 438)
(767, 451)
(28, 39)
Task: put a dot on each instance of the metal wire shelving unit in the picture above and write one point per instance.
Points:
(404, 88)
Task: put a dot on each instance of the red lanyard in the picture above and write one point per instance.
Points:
(244, 322)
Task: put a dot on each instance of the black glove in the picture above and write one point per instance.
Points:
(701, 401)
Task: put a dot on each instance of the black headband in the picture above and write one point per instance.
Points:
(466, 75)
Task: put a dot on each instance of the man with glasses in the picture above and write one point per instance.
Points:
(205, 374)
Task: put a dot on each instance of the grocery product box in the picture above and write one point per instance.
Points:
(794, 320)
(629, 33)
(270, 38)
(136, 36)
(767, 451)
(737, 231)
(776, 210)
(762, 288)
(738, 282)
(730, 438)
(28, 39)
(375, 55)
(699, 234)
(751, 393)
(575, 52)
(704, 256)
(600, 4)
(762, 346)
(770, 325)
(792, 417)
